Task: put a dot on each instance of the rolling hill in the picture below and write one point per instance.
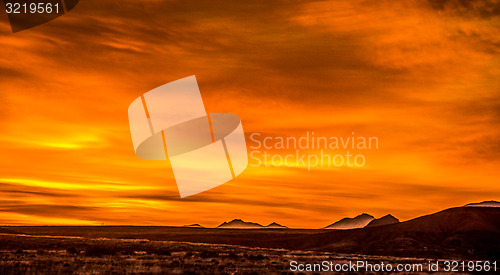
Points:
(359, 221)
(276, 226)
(469, 232)
(484, 204)
(240, 224)
(457, 233)
(387, 219)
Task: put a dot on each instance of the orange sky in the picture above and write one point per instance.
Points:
(422, 76)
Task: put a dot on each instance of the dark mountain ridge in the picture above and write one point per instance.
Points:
(387, 219)
(359, 221)
(469, 232)
(466, 233)
(240, 224)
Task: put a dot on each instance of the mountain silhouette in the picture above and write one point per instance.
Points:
(276, 225)
(463, 232)
(484, 204)
(459, 233)
(359, 221)
(466, 233)
(240, 224)
(387, 219)
(194, 225)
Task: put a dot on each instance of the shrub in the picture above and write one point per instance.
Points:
(100, 250)
(71, 250)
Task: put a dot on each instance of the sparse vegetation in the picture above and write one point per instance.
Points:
(150, 250)
(45, 255)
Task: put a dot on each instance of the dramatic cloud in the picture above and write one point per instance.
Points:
(422, 76)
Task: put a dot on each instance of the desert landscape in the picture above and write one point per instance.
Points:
(249, 137)
(471, 232)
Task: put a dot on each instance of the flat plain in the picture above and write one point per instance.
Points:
(455, 234)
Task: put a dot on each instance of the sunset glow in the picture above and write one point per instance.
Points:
(427, 88)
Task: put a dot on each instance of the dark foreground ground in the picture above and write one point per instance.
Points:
(462, 234)
(23, 254)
